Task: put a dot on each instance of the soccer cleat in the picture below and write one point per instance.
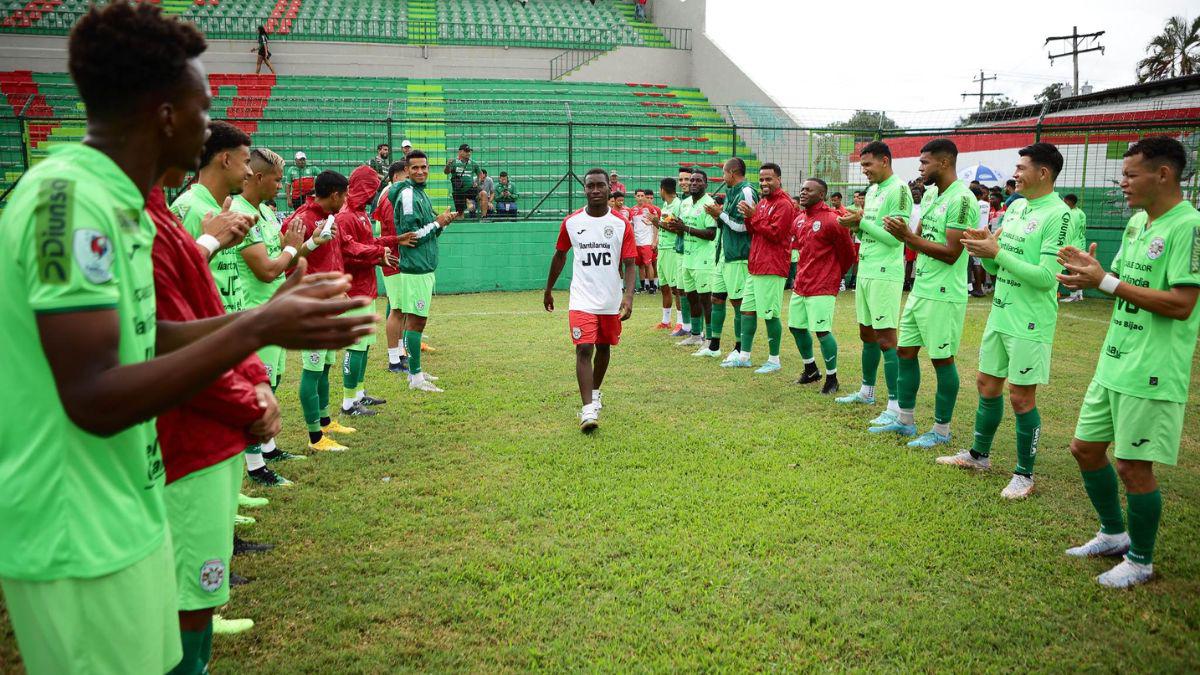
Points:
(327, 444)
(371, 400)
(690, 341)
(1019, 487)
(831, 385)
(335, 427)
(886, 417)
(679, 331)
(894, 428)
(428, 348)
(1126, 575)
(430, 377)
(239, 519)
(966, 460)
(705, 351)
(264, 476)
(1102, 545)
(246, 501)
(810, 375)
(358, 410)
(929, 439)
(400, 366)
(742, 361)
(589, 418)
(768, 368)
(424, 385)
(242, 547)
(281, 456)
(236, 579)
(223, 626)
(732, 357)
(598, 399)
(662, 325)
(856, 397)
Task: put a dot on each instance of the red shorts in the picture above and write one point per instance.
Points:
(594, 329)
(647, 255)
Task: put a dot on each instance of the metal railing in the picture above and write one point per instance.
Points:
(570, 60)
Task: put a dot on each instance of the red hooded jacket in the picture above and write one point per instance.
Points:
(361, 250)
(826, 251)
(328, 256)
(770, 230)
(386, 215)
(210, 427)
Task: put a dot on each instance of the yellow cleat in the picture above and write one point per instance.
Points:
(327, 444)
(335, 427)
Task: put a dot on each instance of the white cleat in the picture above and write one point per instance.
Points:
(1019, 487)
(424, 385)
(1102, 545)
(598, 400)
(966, 460)
(731, 358)
(705, 351)
(589, 418)
(1126, 575)
(690, 341)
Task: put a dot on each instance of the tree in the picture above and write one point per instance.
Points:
(998, 103)
(864, 121)
(1173, 53)
(1052, 92)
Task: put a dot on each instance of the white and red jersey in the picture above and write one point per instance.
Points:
(600, 244)
(643, 231)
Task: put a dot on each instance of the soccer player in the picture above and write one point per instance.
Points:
(1077, 237)
(1138, 395)
(384, 215)
(683, 327)
(770, 223)
(419, 263)
(880, 280)
(668, 259)
(604, 264)
(618, 205)
(733, 250)
(835, 203)
(1019, 334)
(97, 366)
(936, 307)
(825, 254)
(644, 231)
(699, 256)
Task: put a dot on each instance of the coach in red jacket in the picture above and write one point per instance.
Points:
(826, 254)
(770, 224)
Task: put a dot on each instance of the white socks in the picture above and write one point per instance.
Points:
(808, 361)
(393, 355)
(269, 446)
(358, 395)
(254, 461)
(907, 417)
(867, 391)
(943, 429)
(348, 403)
(894, 406)
(667, 315)
(773, 359)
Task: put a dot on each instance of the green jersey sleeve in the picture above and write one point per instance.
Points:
(1040, 275)
(962, 213)
(895, 202)
(1184, 270)
(69, 252)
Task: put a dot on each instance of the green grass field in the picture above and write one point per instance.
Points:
(718, 520)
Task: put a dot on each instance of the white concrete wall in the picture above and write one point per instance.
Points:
(676, 14)
(638, 64)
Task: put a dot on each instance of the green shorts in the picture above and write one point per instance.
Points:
(275, 360)
(698, 280)
(392, 287)
(764, 296)
(200, 511)
(811, 312)
(668, 267)
(379, 287)
(1140, 428)
(124, 622)
(318, 359)
(730, 278)
(416, 294)
(934, 324)
(877, 302)
(366, 341)
(1023, 362)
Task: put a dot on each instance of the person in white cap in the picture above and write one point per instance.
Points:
(298, 180)
(406, 147)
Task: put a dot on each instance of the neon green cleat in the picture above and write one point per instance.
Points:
(223, 626)
(239, 519)
(248, 502)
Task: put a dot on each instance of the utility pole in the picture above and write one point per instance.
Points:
(982, 79)
(1076, 39)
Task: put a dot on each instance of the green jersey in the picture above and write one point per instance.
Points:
(698, 253)
(1077, 236)
(735, 240)
(1145, 354)
(413, 212)
(506, 194)
(954, 209)
(191, 207)
(665, 240)
(266, 232)
(463, 173)
(75, 238)
(1026, 300)
(881, 256)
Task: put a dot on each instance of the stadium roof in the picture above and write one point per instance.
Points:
(1127, 93)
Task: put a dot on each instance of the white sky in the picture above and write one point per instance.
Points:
(901, 56)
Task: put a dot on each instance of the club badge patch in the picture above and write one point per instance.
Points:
(576, 332)
(608, 232)
(94, 255)
(212, 575)
(1031, 225)
(314, 358)
(816, 226)
(420, 304)
(1156, 248)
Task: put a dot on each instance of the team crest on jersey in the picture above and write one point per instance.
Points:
(314, 358)
(1031, 225)
(420, 304)
(94, 255)
(816, 226)
(576, 332)
(212, 575)
(608, 232)
(1156, 248)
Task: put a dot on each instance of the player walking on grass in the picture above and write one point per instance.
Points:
(699, 255)
(602, 280)
(879, 282)
(733, 250)
(418, 265)
(1019, 334)
(825, 254)
(668, 259)
(770, 223)
(1138, 395)
(936, 307)
(98, 366)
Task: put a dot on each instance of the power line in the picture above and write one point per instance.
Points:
(1076, 39)
(982, 79)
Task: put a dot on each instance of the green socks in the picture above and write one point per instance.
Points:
(717, 324)
(829, 350)
(353, 366)
(1101, 486)
(362, 367)
(908, 381)
(1145, 510)
(947, 393)
(310, 400)
(891, 371)
(737, 324)
(774, 335)
(193, 662)
(323, 392)
(804, 343)
(870, 363)
(987, 420)
(412, 344)
(685, 308)
(697, 323)
(1029, 428)
(749, 328)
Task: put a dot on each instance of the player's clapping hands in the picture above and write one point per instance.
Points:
(713, 210)
(746, 209)
(1081, 270)
(228, 227)
(294, 234)
(981, 243)
(851, 220)
(897, 227)
(306, 313)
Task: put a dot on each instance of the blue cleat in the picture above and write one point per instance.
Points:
(885, 418)
(929, 439)
(768, 367)
(895, 428)
(856, 397)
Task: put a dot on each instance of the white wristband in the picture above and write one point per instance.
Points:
(311, 245)
(1109, 284)
(290, 249)
(209, 242)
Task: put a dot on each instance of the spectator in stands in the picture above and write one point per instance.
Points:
(264, 52)
(639, 10)
(406, 147)
(382, 160)
(506, 197)
(484, 190)
(299, 180)
(463, 172)
(615, 184)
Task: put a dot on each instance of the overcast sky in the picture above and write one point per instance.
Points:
(902, 56)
